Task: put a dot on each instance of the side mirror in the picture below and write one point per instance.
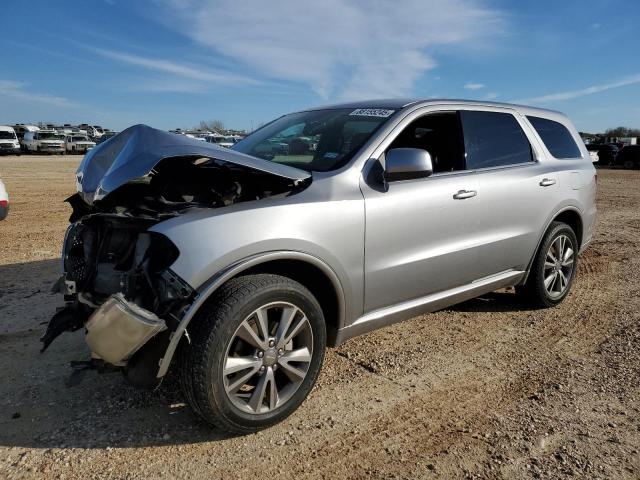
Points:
(407, 164)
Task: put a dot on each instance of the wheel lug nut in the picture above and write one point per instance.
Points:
(275, 366)
(261, 369)
(260, 354)
(280, 352)
(272, 343)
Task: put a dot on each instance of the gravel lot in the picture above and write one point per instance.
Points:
(485, 389)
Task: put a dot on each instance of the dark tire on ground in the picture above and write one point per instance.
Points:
(534, 292)
(214, 327)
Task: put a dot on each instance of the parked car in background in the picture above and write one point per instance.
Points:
(9, 143)
(21, 129)
(594, 156)
(4, 201)
(93, 132)
(606, 152)
(78, 143)
(106, 136)
(221, 140)
(629, 157)
(249, 261)
(44, 141)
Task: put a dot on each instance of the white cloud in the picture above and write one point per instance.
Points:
(340, 48)
(474, 86)
(491, 96)
(571, 94)
(17, 90)
(190, 72)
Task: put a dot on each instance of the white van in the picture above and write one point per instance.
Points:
(78, 143)
(4, 201)
(9, 143)
(44, 141)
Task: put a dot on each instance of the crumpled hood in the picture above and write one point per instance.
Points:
(134, 152)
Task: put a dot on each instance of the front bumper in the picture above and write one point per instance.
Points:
(9, 149)
(81, 148)
(119, 328)
(51, 148)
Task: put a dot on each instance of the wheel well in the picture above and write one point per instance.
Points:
(572, 218)
(315, 280)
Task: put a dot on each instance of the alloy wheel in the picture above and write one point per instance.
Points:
(268, 358)
(558, 266)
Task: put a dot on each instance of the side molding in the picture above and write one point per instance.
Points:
(430, 303)
(207, 289)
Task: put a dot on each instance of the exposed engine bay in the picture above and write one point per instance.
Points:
(117, 283)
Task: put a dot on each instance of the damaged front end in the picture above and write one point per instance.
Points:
(117, 281)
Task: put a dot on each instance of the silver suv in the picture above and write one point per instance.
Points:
(245, 263)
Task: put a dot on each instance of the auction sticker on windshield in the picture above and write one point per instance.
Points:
(372, 112)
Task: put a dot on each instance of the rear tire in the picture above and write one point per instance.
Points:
(553, 269)
(263, 332)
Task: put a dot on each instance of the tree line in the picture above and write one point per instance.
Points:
(622, 132)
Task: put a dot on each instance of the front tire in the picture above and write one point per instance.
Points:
(256, 352)
(553, 269)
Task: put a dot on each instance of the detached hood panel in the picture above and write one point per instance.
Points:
(134, 152)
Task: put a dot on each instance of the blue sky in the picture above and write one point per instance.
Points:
(172, 63)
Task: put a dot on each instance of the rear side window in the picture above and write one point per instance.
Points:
(493, 139)
(556, 137)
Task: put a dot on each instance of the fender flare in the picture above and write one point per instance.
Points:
(215, 282)
(544, 231)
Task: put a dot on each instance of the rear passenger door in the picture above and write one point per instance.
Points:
(514, 190)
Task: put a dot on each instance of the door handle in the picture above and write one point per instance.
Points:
(547, 182)
(462, 194)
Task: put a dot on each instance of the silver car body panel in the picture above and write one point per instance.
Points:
(396, 253)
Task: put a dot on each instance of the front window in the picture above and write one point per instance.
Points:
(50, 136)
(318, 140)
(4, 135)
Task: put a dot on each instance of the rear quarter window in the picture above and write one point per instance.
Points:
(556, 138)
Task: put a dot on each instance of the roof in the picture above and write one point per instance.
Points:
(399, 103)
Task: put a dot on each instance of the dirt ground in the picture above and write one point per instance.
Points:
(485, 389)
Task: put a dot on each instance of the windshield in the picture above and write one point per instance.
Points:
(50, 136)
(318, 140)
(79, 139)
(4, 135)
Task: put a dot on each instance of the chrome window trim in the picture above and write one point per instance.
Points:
(412, 115)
